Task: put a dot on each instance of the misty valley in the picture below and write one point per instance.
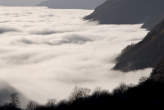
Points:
(76, 58)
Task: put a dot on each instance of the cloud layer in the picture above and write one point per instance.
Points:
(45, 53)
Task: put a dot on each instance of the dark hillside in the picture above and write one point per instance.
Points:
(146, 53)
(148, 12)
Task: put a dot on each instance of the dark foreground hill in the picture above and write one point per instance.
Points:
(146, 53)
(148, 12)
(149, 94)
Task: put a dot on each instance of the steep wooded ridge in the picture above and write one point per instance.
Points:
(149, 12)
(158, 72)
(146, 53)
(72, 4)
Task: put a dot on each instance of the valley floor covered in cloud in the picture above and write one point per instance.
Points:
(45, 53)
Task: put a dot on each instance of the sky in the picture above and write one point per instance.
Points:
(72, 4)
(67, 4)
(20, 2)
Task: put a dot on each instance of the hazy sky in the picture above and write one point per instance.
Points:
(72, 4)
(54, 3)
(20, 2)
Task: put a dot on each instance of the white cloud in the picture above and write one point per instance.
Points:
(73, 53)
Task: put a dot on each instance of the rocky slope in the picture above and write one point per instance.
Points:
(129, 12)
(158, 72)
(146, 53)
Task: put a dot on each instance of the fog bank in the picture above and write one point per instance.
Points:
(45, 55)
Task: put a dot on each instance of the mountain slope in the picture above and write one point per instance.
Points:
(129, 12)
(146, 53)
(158, 72)
(72, 4)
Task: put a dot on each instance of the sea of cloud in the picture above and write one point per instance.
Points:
(45, 53)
